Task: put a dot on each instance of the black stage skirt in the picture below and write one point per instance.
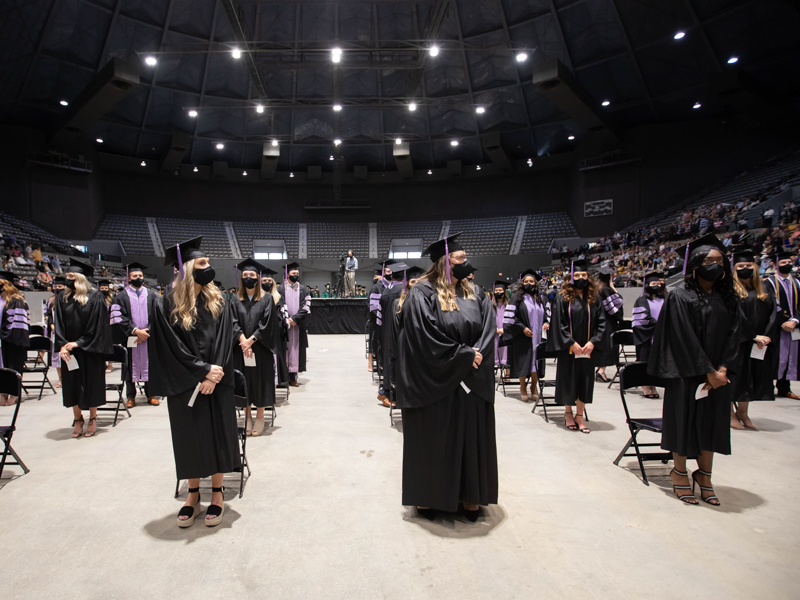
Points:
(204, 436)
(260, 379)
(450, 453)
(86, 386)
(14, 356)
(691, 425)
(574, 379)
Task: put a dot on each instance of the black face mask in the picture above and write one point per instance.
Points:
(266, 286)
(137, 283)
(461, 271)
(70, 284)
(711, 272)
(294, 278)
(499, 295)
(745, 273)
(529, 288)
(653, 289)
(250, 282)
(581, 283)
(785, 269)
(204, 276)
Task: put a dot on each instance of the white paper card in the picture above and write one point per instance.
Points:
(72, 363)
(466, 389)
(194, 395)
(795, 334)
(544, 335)
(583, 356)
(757, 353)
(701, 393)
(250, 362)
(132, 341)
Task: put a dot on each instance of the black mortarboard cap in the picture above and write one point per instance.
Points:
(60, 280)
(248, 264)
(184, 252)
(103, 282)
(414, 272)
(292, 266)
(707, 240)
(399, 267)
(500, 283)
(219, 284)
(76, 266)
(783, 255)
(530, 272)
(653, 276)
(267, 272)
(440, 247)
(136, 266)
(8, 276)
(744, 255)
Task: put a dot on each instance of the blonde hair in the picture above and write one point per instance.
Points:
(257, 295)
(276, 295)
(184, 298)
(82, 290)
(755, 282)
(10, 291)
(437, 276)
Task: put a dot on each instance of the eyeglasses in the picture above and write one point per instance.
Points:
(713, 261)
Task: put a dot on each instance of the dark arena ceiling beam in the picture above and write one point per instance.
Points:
(232, 10)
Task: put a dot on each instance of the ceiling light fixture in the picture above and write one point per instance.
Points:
(337, 141)
(195, 169)
(244, 173)
(572, 137)
(291, 174)
(606, 102)
(150, 61)
(331, 158)
(679, 36)
(259, 108)
(480, 110)
(220, 146)
(99, 140)
(434, 51)
(192, 113)
(522, 56)
(477, 167)
(336, 55)
(733, 59)
(64, 103)
(142, 164)
(412, 107)
(454, 142)
(398, 141)
(236, 53)
(274, 142)
(530, 162)
(696, 105)
(430, 172)
(337, 107)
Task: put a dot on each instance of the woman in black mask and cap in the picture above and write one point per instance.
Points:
(445, 386)
(14, 334)
(191, 358)
(578, 325)
(697, 340)
(646, 310)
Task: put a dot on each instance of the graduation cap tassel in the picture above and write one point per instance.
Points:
(128, 272)
(686, 258)
(180, 261)
(447, 262)
(572, 271)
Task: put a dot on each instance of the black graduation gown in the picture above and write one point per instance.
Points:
(783, 343)
(301, 318)
(14, 332)
(374, 316)
(606, 355)
(394, 323)
(575, 376)
(257, 319)
(520, 346)
(205, 436)
(449, 446)
(89, 326)
(388, 297)
(280, 337)
(123, 328)
(644, 327)
(695, 336)
(754, 380)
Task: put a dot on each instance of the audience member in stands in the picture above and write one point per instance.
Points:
(298, 305)
(787, 295)
(14, 318)
(56, 265)
(83, 334)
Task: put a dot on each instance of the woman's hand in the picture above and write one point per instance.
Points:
(499, 331)
(207, 387)
(546, 327)
(528, 332)
(717, 379)
(789, 326)
(476, 362)
(576, 348)
(215, 374)
(762, 340)
(248, 353)
(587, 349)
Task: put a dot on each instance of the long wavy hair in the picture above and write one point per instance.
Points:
(10, 291)
(406, 289)
(82, 290)
(755, 284)
(569, 292)
(276, 295)
(258, 293)
(519, 294)
(184, 298)
(437, 276)
(723, 286)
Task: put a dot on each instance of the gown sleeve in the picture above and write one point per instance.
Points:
(601, 322)
(265, 333)
(485, 343)
(773, 329)
(513, 325)
(223, 348)
(731, 357)
(97, 335)
(233, 308)
(559, 327)
(121, 313)
(644, 325)
(16, 328)
(612, 306)
(301, 316)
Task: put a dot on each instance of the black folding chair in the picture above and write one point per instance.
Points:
(392, 407)
(634, 375)
(624, 339)
(11, 383)
(36, 330)
(366, 340)
(500, 378)
(119, 355)
(38, 344)
(542, 354)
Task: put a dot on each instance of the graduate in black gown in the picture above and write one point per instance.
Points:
(525, 319)
(191, 358)
(255, 318)
(577, 327)
(606, 355)
(281, 331)
(14, 329)
(83, 331)
(445, 386)
(396, 311)
(375, 316)
(297, 301)
(646, 310)
(696, 345)
(753, 381)
(388, 297)
(50, 327)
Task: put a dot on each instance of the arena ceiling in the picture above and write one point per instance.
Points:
(623, 52)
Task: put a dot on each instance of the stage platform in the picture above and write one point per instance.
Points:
(338, 315)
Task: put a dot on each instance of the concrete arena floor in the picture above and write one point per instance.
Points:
(321, 514)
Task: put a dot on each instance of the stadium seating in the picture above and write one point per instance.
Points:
(328, 240)
(246, 232)
(542, 228)
(132, 232)
(215, 240)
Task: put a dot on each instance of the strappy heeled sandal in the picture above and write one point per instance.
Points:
(583, 428)
(214, 513)
(572, 427)
(77, 428)
(685, 498)
(190, 512)
(706, 499)
(91, 429)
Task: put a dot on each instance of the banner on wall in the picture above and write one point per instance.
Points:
(598, 208)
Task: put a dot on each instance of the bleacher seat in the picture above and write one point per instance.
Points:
(132, 232)
(542, 228)
(328, 240)
(246, 232)
(215, 239)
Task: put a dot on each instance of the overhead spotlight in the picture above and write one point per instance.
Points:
(142, 164)
(480, 110)
(454, 142)
(291, 174)
(679, 36)
(696, 105)
(412, 107)
(572, 137)
(530, 162)
(398, 141)
(150, 61)
(274, 142)
(434, 51)
(64, 103)
(733, 59)
(99, 140)
(236, 53)
(477, 167)
(522, 56)
(337, 141)
(606, 102)
(337, 107)
(244, 173)
(336, 55)
(220, 146)
(192, 113)
(331, 157)
(430, 172)
(260, 108)
(195, 169)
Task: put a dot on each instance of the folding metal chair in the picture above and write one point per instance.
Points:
(392, 407)
(38, 344)
(542, 354)
(36, 330)
(500, 378)
(622, 338)
(119, 355)
(11, 383)
(634, 375)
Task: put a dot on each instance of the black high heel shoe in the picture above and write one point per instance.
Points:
(601, 377)
(428, 513)
(214, 511)
(706, 499)
(685, 498)
(472, 515)
(190, 512)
